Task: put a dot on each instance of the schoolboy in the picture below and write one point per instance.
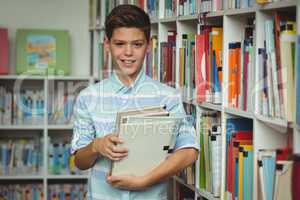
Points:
(94, 142)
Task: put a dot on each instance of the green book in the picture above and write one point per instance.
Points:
(41, 52)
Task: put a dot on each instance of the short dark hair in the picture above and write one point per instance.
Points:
(129, 16)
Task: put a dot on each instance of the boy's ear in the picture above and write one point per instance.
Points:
(149, 46)
(106, 44)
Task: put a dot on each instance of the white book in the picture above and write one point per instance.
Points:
(148, 142)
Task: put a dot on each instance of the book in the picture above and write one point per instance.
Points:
(149, 140)
(143, 120)
(3, 51)
(296, 177)
(145, 111)
(283, 180)
(43, 51)
(298, 82)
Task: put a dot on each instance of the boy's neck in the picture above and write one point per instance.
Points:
(126, 79)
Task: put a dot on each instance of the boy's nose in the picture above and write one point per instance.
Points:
(128, 50)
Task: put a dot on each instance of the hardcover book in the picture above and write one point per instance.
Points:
(3, 51)
(41, 51)
(149, 134)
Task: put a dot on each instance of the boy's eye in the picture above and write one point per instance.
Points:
(119, 44)
(137, 45)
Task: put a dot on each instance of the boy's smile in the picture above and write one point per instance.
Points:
(128, 47)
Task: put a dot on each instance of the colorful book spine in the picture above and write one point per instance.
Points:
(4, 51)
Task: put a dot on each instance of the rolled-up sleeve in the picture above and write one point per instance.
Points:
(186, 137)
(83, 128)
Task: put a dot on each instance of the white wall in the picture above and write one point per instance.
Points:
(69, 15)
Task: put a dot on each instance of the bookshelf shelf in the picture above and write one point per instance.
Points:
(182, 182)
(21, 127)
(23, 76)
(188, 18)
(206, 195)
(154, 20)
(267, 132)
(211, 106)
(67, 177)
(68, 78)
(239, 113)
(241, 11)
(168, 20)
(274, 121)
(215, 14)
(60, 127)
(25, 177)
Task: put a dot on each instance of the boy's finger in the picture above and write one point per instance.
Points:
(118, 156)
(115, 139)
(117, 149)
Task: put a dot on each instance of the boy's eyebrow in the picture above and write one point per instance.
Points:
(116, 40)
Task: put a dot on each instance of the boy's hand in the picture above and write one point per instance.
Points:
(127, 182)
(107, 146)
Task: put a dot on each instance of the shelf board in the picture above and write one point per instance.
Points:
(240, 11)
(280, 125)
(207, 195)
(187, 17)
(154, 20)
(210, 106)
(60, 127)
(279, 4)
(58, 177)
(21, 76)
(96, 28)
(218, 13)
(240, 113)
(53, 77)
(182, 182)
(38, 77)
(21, 127)
(168, 19)
(19, 177)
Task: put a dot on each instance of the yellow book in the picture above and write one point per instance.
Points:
(242, 148)
(287, 55)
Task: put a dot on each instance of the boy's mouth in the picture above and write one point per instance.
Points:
(127, 61)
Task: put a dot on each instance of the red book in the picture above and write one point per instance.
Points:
(200, 78)
(245, 80)
(3, 51)
(296, 178)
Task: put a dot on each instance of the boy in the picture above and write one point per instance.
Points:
(94, 142)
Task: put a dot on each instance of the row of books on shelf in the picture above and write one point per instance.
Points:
(36, 192)
(21, 156)
(27, 106)
(38, 51)
(275, 174)
(24, 191)
(61, 103)
(210, 154)
(25, 156)
(99, 9)
(241, 69)
(209, 64)
(172, 8)
(67, 191)
(60, 160)
(239, 158)
(276, 70)
(188, 175)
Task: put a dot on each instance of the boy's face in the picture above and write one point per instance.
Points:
(128, 47)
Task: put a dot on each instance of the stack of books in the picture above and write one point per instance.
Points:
(149, 134)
